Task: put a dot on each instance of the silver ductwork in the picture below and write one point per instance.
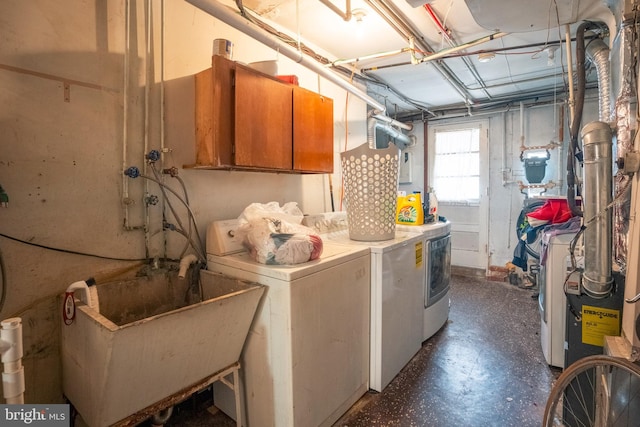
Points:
(598, 52)
(597, 139)
(373, 123)
(622, 65)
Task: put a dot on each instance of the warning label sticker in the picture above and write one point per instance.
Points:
(598, 322)
(419, 254)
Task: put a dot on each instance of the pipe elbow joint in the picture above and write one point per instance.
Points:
(83, 287)
(185, 262)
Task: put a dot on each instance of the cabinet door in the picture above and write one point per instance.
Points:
(214, 114)
(312, 131)
(263, 121)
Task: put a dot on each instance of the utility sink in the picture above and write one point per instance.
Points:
(149, 340)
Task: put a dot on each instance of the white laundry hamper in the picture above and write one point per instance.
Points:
(371, 187)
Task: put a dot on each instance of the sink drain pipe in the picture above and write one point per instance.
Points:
(160, 418)
(11, 350)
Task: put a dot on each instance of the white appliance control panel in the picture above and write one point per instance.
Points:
(221, 238)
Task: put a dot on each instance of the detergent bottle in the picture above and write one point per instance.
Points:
(409, 210)
(431, 208)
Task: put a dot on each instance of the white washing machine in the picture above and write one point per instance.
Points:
(552, 300)
(397, 293)
(306, 358)
(437, 270)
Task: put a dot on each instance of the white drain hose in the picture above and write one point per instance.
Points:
(13, 371)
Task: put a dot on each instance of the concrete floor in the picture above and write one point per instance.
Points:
(483, 368)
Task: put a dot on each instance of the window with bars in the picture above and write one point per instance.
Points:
(456, 175)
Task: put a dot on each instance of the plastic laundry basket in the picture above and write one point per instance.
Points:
(371, 188)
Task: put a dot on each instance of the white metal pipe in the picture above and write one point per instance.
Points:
(570, 70)
(383, 118)
(346, 15)
(125, 114)
(230, 17)
(463, 46)
(522, 147)
(373, 124)
(13, 371)
(147, 93)
(372, 56)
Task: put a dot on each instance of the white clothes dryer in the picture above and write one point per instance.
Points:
(397, 292)
(306, 358)
(437, 270)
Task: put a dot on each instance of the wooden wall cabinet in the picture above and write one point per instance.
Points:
(247, 120)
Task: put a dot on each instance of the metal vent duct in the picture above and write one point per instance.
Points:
(597, 142)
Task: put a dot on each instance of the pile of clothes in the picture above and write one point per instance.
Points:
(537, 224)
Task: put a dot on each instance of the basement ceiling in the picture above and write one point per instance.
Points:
(390, 44)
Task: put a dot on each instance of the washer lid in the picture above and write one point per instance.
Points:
(332, 255)
(402, 238)
(430, 231)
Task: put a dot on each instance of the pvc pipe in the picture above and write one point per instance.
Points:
(185, 262)
(373, 124)
(346, 15)
(570, 70)
(160, 418)
(81, 286)
(378, 115)
(13, 371)
(463, 46)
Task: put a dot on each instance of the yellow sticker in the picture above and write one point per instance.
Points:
(419, 254)
(598, 322)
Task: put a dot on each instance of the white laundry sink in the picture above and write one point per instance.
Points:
(147, 343)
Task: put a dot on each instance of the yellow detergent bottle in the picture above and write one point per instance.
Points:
(409, 210)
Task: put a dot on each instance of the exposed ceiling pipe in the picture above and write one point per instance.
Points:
(445, 52)
(394, 18)
(445, 33)
(387, 119)
(344, 15)
(402, 140)
(477, 52)
(367, 57)
(232, 18)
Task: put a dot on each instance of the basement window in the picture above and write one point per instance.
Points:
(456, 174)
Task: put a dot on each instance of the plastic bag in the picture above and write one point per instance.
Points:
(274, 235)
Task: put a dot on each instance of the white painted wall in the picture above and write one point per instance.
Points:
(541, 126)
(62, 163)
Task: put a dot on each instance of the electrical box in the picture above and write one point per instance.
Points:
(573, 279)
(406, 158)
